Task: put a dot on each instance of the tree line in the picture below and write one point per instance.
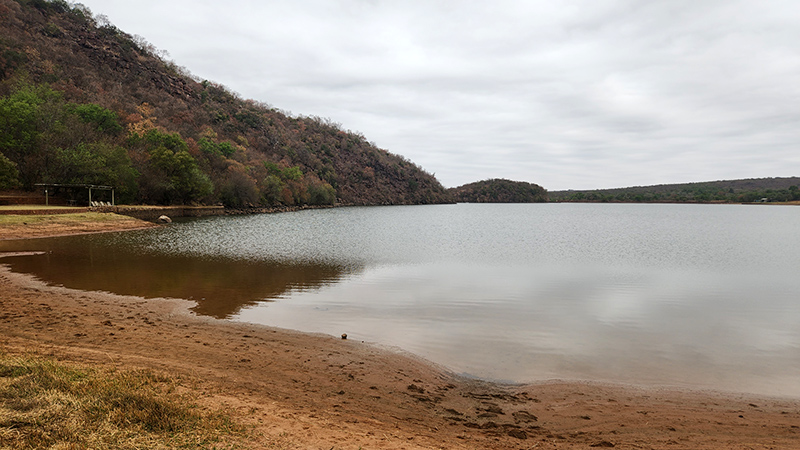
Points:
(735, 191)
(46, 139)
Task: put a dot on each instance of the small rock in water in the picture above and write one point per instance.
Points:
(164, 219)
(344, 335)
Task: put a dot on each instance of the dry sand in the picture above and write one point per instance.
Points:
(33, 226)
(309, 391)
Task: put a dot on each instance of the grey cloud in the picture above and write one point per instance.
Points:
(576, 94)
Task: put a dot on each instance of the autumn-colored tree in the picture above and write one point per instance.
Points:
(321, 193)
(142, 122)
(238, 189)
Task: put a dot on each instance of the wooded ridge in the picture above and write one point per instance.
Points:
(499, 191)
(86, 103)
(725, 191)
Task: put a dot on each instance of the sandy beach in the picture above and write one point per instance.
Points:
(39, 226)
(305, 391)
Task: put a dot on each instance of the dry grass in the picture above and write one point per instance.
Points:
(34, 207)
(49, 405)
(60, 219)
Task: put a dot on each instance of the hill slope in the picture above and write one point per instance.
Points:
(499, 191)
(83, 102)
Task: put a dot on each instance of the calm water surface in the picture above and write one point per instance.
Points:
(685, 295)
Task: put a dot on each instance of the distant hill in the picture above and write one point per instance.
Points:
(84, 102)
(730, 191)
(499, 191)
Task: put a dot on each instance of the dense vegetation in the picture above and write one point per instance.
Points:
(499, 191)
(83, 102)
(734, 191)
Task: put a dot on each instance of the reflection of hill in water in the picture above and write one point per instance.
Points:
(221, 287)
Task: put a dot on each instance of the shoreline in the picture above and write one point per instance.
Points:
(321, 391)
(300, 390)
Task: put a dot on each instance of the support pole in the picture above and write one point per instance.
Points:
(112, 198)
(90, 196)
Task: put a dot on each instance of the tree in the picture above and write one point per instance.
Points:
(26, 116)
(103, 119)
(169, 172)
(142, 123)
(238, 189)
(290, 186)
(9, 175)
(185, 181)
(210, 147)
(98, 163)
(271, 189)
(320, 193)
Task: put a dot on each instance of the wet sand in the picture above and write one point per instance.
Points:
(315, 391)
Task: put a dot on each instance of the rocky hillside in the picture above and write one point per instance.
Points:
(83, 102)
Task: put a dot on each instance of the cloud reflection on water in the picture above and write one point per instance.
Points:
(696, 295)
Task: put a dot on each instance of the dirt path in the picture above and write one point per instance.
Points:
(314, 391)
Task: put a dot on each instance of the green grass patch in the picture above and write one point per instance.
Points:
(50, 405)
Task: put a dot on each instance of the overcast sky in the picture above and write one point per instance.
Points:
(578, 94)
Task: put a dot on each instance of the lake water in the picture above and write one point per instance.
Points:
(702, 296)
